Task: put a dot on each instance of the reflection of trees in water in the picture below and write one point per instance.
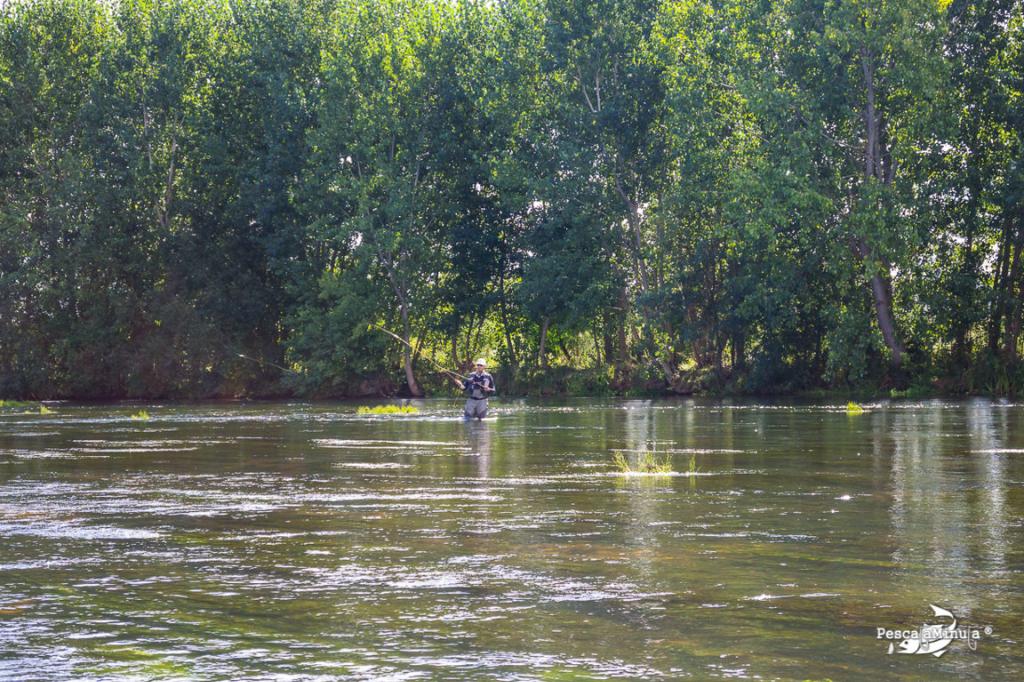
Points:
(948, 510)
(639, 427)
(988, 430)
(641, 434)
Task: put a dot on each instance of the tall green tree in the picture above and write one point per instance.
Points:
(603, 104)
(376, 154)
(50, 322)
(864, 78)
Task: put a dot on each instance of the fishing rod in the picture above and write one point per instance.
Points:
(430, 360)
(267, 362)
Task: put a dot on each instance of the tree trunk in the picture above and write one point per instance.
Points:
(634, 220)
(565, 353)
(609, 341)
(509, 346)
(168, 199)
(410, 377)
(542, 357)
(666, 370)
(398, 286)
(970, 264)
(479, 331)
(881, 287)
(622, 360)
(1000, 285)
(739, 351)
(467, 346)
(1015, 287)
(886, 323)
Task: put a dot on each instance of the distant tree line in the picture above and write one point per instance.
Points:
(602, 195)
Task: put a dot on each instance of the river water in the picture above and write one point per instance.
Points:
(304, 541)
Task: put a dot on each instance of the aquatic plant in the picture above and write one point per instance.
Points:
(15, 403)
(140, 416)
(387, 409)
(692, 472)
(43, 409)
(854, 408)
(621, 463)
(647, 463)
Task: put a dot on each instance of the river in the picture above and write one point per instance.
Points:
(304, 541)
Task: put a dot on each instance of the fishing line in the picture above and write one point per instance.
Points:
(267, 362)
(430, 360)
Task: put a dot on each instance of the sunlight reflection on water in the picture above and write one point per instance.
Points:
(285, 540)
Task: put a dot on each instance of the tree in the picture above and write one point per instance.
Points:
(375, 153)
(602, 106)
(864, 78)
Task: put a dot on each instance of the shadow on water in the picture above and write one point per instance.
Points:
(221, 542)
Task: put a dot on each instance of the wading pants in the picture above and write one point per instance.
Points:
(476, 408)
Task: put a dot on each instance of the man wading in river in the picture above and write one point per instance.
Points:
(479, 384)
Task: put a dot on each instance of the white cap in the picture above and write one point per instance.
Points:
(480, 361)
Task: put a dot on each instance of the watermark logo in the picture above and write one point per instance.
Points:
(933, 639)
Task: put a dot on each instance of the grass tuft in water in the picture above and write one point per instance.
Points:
(854, 408)
(692, 472)
(647, 463)
(16, 403)
(43, 409)
(140, 416)
(388, 409)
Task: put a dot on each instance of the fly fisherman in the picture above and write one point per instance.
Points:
(479, 385)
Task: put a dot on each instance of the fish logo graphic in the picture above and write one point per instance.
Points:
(931, 639)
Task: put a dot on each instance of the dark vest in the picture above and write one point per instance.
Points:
(474, 383)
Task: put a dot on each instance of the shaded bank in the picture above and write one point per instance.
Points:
(562, 383)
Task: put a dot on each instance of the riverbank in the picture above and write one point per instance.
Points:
(984, 377)
(574, 384)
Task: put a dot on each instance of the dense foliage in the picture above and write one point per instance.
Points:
(599, 194)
